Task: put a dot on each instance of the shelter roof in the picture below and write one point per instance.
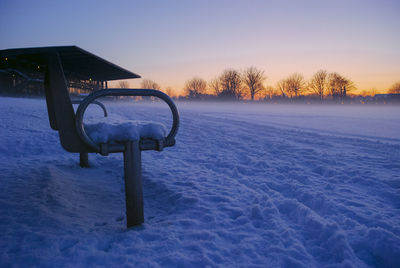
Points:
(76, 62)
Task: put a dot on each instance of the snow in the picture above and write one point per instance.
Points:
(104, 132)
(245, 185)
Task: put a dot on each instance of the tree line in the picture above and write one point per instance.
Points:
(249, 83)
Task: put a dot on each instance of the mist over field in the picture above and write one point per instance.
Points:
(363, 120)
(245, 185)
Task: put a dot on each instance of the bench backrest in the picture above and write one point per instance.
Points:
(60, 110)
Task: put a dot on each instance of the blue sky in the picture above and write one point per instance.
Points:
(172, 41)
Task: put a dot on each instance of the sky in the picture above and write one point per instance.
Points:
(171, 42)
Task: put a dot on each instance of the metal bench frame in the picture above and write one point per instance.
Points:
(74, 139)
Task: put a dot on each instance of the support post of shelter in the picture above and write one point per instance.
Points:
(133, 184)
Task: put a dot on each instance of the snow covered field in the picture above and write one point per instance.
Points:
(245, 186)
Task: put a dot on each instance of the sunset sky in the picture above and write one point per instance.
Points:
(173, 41)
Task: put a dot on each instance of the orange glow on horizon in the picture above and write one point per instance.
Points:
(363, 87)
(368, 71)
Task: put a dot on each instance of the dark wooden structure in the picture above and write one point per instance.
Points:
(57, 63)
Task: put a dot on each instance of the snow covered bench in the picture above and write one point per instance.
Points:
(128, 138)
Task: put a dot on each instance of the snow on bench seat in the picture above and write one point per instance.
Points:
(127, 131)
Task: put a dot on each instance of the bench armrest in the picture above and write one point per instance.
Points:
(94, 102)
(145, 144)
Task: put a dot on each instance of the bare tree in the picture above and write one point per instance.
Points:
(169, 91)
(231, 85)
(270, 92)
(395, 89)
(150, 84)
(319, 83)
(335, 84)
(215, 86)
(195, 87)
(339, 86)
(282, 87)
(295, 84)
(371, 92)
(123, 84)
(253, 79)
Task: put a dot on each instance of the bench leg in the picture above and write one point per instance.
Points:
(84, 159)
(133, 184)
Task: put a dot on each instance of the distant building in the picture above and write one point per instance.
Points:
(387, 98)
